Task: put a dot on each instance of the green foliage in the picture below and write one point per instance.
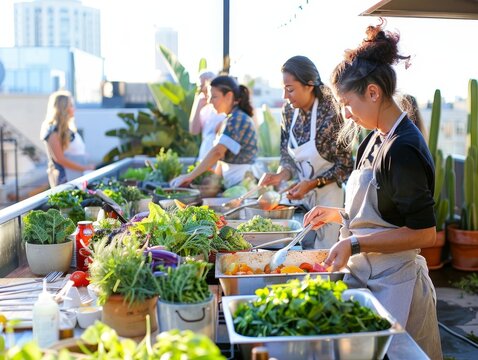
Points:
(119, 267)
(269, 135)
(168, 163)
(308, 307)
(185, 284)
(138, 174)
(435, 123)
(468, 284)
(46, 227)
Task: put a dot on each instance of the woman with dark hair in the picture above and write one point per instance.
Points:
(235, 147)
(388, 213)
(310, 124)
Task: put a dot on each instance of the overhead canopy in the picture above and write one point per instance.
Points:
(444, 9)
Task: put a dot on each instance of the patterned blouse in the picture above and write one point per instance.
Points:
(329, 123)
(238, 134)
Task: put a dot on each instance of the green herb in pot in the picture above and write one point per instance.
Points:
(185, 284)
(167, 162)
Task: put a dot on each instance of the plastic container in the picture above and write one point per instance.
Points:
(46, 319)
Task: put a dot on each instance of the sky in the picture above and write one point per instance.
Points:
(265, 33)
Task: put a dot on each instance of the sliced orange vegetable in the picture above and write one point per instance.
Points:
(291, 269)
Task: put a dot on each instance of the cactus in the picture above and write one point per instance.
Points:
(469, 218)
(435, 124)
(450, 180)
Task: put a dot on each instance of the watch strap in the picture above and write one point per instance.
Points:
(355, 245)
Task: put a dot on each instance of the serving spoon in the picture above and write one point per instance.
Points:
(280, 256)
(267, 201)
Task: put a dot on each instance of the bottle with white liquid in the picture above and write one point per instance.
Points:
(46, 319)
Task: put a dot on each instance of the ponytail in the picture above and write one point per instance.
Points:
(243, 101)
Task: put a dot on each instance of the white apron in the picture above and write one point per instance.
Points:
(233, 173)
(400, 280)
(75, 152)
(311, 165)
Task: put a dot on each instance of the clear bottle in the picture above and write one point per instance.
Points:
(46, 319)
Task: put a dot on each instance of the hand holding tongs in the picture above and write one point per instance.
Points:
(280, 256)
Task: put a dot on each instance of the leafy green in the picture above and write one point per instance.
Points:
(307, 307)
(185, 284)
(167, 162)
(121, 268)
(260, 224)
(234, 191)
(231, 240)
(136, 173)
(269, 134)
(69, 201)
(199, 179)
(468, 284)
(50, 227)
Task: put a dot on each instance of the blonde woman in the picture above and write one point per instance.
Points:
(62, 141)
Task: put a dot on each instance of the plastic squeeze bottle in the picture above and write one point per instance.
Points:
(46, 319)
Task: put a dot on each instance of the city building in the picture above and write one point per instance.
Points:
(53, 23)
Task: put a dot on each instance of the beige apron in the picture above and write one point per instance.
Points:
(400, 280)
(233, 173)
(311, 165)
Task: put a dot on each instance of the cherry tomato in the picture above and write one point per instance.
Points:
(306, 267)
(80, 278)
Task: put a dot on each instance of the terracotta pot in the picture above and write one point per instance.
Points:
(130, 320)
(46, 258)
(433, 254)
(464, 248)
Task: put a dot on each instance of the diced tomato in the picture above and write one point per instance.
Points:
(319, 268)
(306, 267)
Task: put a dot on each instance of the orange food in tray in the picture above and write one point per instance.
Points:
(244, 269)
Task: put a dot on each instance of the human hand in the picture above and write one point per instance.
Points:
(300, 190)
(320, 215)
(339, 255)
(182, 180)
(270, 179)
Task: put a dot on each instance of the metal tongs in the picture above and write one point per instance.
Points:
(109, 204)
(280, 256)
(237, 202)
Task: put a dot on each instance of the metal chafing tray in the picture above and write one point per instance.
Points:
(258, 238)
(248, 284)
(350, 346)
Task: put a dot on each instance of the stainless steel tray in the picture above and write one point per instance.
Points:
(286, 212)
(248, 284)
(258, 238)
(350, 346)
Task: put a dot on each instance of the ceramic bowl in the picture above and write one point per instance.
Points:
(87, 315)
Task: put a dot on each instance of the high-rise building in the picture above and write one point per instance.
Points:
(169, 38)
(55, 23)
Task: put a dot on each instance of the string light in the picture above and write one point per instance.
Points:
(294, 17)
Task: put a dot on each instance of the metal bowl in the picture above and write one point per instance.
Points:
(185, 195)
(248, 284)
(287, 212)
(347, 346)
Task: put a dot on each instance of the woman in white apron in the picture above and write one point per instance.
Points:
(388, 211)
(58, 138)
(309, 150)
(235, 147)
(204, 119)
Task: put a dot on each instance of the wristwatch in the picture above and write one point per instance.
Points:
(355, 245)
(321, 182)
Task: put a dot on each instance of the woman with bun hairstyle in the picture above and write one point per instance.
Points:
(388, 214)
(235, 147)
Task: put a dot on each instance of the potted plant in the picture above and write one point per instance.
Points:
(185, 302)
(126, 285)
(47, 243)
(69, 204)
(464, 236)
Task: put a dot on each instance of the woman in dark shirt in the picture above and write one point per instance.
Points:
(388, 211)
